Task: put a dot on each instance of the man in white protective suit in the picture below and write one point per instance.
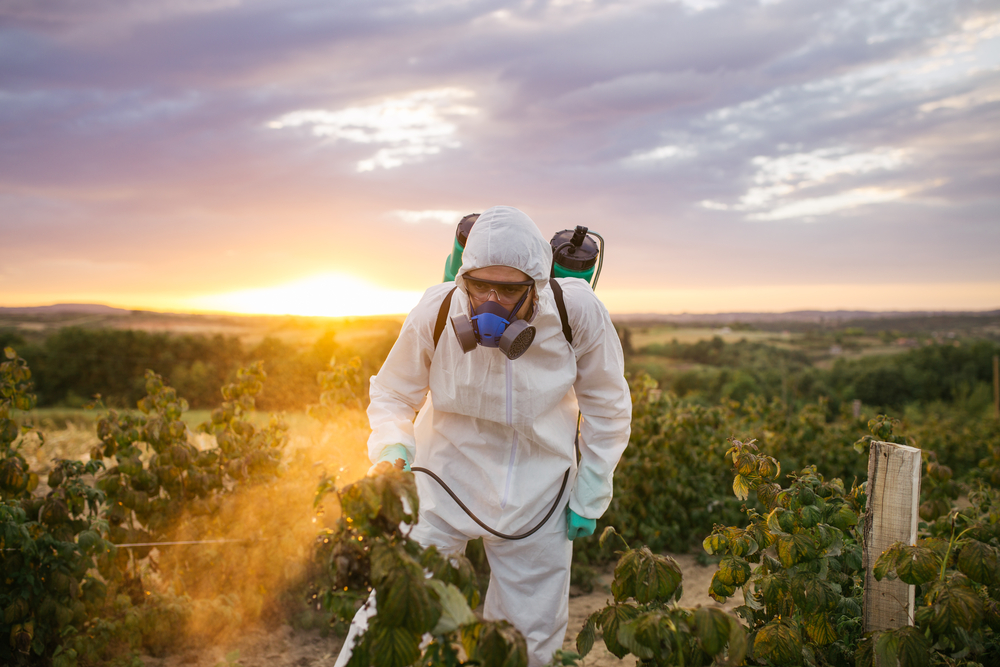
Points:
(500, 432)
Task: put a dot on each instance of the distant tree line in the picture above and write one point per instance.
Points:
(73, 364)
(711, 370)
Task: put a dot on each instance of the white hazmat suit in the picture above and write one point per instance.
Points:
(501, 433)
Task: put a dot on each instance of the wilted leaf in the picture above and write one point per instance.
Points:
(820, 629)
(585, 640)
(794, 549)
(741, 487)
(657, 577)
(719, 589)
(610, 620)
(767, 494)
(978, 562)
(499, 644)
(779, 643)
(886, 562)
(917, 565)
(952, 603)
(623, 584)
(715, 543)
(733, 571)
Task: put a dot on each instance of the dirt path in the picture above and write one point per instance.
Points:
(287, 648)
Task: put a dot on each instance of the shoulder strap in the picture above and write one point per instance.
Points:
(443, 316)
(563, 317)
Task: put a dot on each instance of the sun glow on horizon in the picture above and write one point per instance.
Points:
(326, 295)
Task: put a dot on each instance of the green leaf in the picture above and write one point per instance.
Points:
(737, 644)
(778, 642)
(405, 601)
(455, 611)
(842, 517)
(642, 635)
(394, 646)
(712, 627)
(812, 594)
(907, 645)
(978, 562)
(809, 516)
(741, 487)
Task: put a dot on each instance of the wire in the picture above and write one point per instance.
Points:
(480, 522)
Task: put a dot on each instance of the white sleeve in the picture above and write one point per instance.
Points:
(400, 386)
(603, 397)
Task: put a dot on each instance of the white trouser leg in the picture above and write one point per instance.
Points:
(529, 586)
(358, 626)
(425, 534)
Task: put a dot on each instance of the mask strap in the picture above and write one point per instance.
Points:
(517, 307)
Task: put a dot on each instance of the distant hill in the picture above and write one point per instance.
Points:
(59, 308)
(816, 316)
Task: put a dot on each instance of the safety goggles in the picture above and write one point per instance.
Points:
(507, 293)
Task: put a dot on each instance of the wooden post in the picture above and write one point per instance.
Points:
(996, 385)
(891, 516)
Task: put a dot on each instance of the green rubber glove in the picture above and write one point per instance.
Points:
(577, 526)
(392, 452)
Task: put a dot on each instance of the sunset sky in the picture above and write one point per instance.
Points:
(314, 156)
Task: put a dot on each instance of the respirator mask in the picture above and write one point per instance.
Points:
(492, 324)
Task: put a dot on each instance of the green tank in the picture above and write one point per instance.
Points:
(454, 261)
(575, 254)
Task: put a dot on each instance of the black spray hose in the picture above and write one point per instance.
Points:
(480, 522)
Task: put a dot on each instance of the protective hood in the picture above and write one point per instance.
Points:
(504, 236)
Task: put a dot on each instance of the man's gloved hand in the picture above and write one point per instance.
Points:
(389, 459)
(577, 526)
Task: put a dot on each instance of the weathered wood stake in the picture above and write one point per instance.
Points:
(891, 516)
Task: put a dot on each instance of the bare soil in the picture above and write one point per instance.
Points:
(285, 647)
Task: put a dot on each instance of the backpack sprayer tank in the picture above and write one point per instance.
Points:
(454, 261)
(575, 253)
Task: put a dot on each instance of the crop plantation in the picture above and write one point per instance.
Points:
(166, 488)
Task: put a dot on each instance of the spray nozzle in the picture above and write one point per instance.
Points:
(579, 234)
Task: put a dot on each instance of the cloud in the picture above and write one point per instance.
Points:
(674, 128)
(411, 126)
(416, 217)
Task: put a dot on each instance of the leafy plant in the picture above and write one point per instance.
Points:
(49, 546)
(798, 563)
(416, 591)
(956, 569)
(645, 621)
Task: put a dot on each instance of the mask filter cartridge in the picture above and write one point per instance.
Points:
(490, 327)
